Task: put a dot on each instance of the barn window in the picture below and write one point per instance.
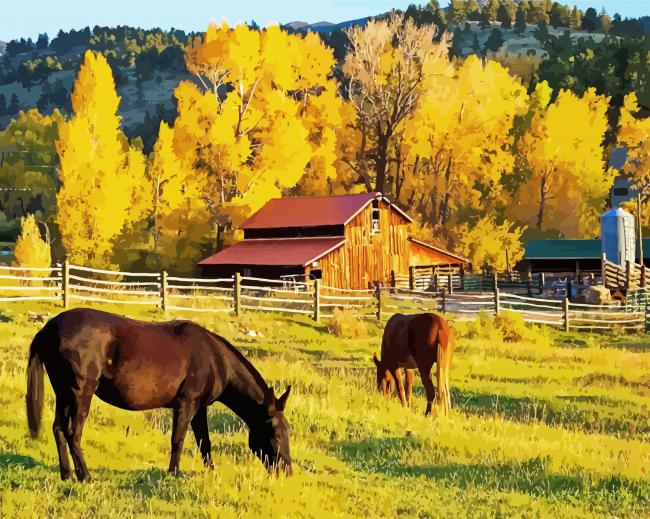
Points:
(316, 274)
(375, 216)
(620, 191)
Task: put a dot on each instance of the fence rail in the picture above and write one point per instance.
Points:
(67, 282)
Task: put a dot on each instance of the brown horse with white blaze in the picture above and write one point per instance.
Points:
(136, 365)
(416, 342)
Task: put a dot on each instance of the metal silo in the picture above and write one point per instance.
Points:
(617, 236)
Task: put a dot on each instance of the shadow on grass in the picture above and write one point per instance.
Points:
(586, 413)
(18, 460)
(221, 421)
(532, 476)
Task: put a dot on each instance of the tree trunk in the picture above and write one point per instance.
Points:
(542, 201)
(381, 162)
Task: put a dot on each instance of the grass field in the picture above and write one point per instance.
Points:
(553, 425)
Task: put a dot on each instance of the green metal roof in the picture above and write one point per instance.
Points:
(570, 249)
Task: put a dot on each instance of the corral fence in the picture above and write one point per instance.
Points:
(453, 278)
(66, 283)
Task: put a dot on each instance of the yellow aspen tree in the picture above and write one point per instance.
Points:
(485, 242)
(31, 249)
(103, 187)
(562, 153)
(458, 142)
(262, 120)
(179, 216)
(634, 134)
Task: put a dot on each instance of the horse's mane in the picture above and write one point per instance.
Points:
(253, 371)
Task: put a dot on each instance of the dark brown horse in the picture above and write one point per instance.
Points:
(136, 365)
(416, 342)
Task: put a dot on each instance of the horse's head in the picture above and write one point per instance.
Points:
(385, 381)
(269, 439)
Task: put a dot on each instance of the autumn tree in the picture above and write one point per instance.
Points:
(458, 142)
(264, 118)
(386, 65)
(180, 221)
(103, 187)
(31, 249)
(566, 183)
(634, 134)
(487, 243)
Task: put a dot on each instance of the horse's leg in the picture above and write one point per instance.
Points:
(201, 433)
(60, 419)
(425, 374)
(183, 413)
(409, 385)
(400, 385)
(74, 428)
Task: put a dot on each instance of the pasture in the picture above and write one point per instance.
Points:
(544, 423)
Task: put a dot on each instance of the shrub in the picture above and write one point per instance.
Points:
(347, 324)
(511, 325)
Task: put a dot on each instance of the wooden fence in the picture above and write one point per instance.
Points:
(451, 279)
(628, 276)
(66, 284)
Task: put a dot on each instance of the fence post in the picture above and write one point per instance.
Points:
(317, 300)
(378, 291)
(566, 314)
(450, 283)
(497, 301)
(66, 283)
(603, 269)
(237, 294)
(444, 301)
(163, 290)
(542, 281)
(392, 278)
(628, 274)
(411, 278)
(496, 279)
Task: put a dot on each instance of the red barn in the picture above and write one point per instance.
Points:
(348, 241)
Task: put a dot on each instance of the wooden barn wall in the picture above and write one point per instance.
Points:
(365, 257)
(423, 256)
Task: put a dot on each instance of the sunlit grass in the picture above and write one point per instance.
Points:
(557, 425)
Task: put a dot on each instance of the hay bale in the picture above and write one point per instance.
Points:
(598, 295)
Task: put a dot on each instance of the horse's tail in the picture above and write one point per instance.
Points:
(34, 398)
(446, 343)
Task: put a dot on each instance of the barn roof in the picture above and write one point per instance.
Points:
(438, 250)
(313, 211)
(276, 251)
(563, 249)
(572, 249)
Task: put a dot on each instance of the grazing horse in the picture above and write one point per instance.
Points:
(137, 365)
(416, 342)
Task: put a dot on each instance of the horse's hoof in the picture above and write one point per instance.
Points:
(65, 475)
(84, 478)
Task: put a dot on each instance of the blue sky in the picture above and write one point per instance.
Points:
(28, 18)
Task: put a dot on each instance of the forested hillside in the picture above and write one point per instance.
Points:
(459, 115)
